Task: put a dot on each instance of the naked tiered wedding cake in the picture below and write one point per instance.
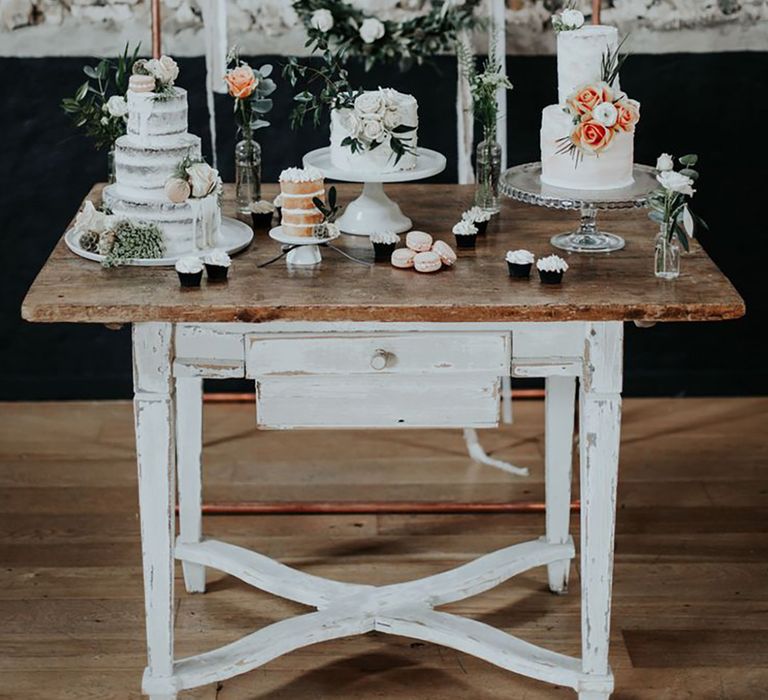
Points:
(160, 176)
(587, 140)
(375, 133)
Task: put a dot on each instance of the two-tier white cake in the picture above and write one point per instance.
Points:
(156, 142)
(587, 139)
(376, 133)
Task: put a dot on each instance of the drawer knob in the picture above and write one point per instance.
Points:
(381, 359)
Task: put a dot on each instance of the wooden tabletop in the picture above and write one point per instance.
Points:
(618, 286)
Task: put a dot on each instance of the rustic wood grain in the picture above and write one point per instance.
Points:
(619, 286)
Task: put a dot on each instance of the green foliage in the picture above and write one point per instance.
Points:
(405, 43)
(330, 212)
(611, 63)
(483, 85)
(88, 107)
(134, 240)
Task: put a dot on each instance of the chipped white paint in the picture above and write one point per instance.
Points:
(327, 374)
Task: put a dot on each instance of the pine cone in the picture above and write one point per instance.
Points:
(89, 241)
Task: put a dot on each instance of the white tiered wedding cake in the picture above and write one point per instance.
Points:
(587, 140)
(159, 173)
(376, 133)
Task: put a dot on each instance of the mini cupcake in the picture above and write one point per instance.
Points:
(466, 234)
(384, 244)
(190, 271)
(261, 213)
(551, 269)
(217, 264)
(277, 203)
(479, 217)
(519, 263)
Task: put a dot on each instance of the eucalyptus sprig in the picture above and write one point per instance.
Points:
(88, 107)
(330, 212)
(669, 204)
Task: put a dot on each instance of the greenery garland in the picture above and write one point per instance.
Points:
(356, 33)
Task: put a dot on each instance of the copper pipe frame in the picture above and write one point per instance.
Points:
(596, 11)
(157, 30)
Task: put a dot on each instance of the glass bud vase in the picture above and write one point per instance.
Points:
(667, 255)
(488, 172)
(247, 175)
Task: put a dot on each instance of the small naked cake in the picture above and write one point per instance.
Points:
(375, 131)
(298, 187)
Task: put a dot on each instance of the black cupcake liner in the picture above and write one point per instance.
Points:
(382, 252)
(190, 279)
(466, 242)
(481, 226)
(261, 221)
(550, 277)
(519, 271)
(216, 273)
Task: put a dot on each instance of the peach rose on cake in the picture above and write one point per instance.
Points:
(242, 81)
(628, 114)
(585, 99)
(592, 136)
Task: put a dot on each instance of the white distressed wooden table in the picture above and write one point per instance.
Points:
(346, 346)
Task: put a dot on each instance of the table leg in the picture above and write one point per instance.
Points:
(559, 414)
(155, 451)
(599, 430)
(189, 467)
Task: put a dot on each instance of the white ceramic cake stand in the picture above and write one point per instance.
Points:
(234, 236)
(373, 211)
(523, 183)
(307, 248)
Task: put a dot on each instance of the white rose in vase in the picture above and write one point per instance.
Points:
(90, 219)
(369, 103)
(371, 30)
(665, 162)
(203, 179)
(676, 182)
(164, 69)
(322, 20)
(373, 129)
(117, 106)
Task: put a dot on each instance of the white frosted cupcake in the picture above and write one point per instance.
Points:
(466, 234)
(384, 243)
(217, 264)
(479, 217)
(551, 269)
(190, 271)
(519, 263)
(262, 213)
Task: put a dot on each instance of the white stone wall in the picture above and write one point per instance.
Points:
(100, 27)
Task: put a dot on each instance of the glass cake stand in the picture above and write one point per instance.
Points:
(373, 211)
(523, 183)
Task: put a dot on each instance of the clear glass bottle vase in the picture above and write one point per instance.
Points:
(247, 174)
(487, 174)
(666, 255)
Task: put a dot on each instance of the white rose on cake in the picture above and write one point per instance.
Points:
(117, 106)
(665, 162)
(606, 113)
(350, 122)
(369, 103)
(371, 30)
(573, 19)
(90, 219)
(164, 69)
(322, 20)
(373, 129)
(676, 182)
(203, 179)
(392, 119)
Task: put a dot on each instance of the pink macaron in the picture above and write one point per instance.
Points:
(446, 253)
(427, 262)
(402, 257)
(418, 241)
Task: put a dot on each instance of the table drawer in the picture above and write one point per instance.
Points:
(378, 353)
(378, 401)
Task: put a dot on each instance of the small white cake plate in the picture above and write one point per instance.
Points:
(307, 250)
(234, 236)
(523, 183)
(373, 211)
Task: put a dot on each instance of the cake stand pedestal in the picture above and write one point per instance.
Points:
(304, 251)
(373, 211)
(523, 183)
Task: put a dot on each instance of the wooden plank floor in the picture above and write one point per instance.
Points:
(691, 585)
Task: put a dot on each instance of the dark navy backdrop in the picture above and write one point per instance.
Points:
(714, 104)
